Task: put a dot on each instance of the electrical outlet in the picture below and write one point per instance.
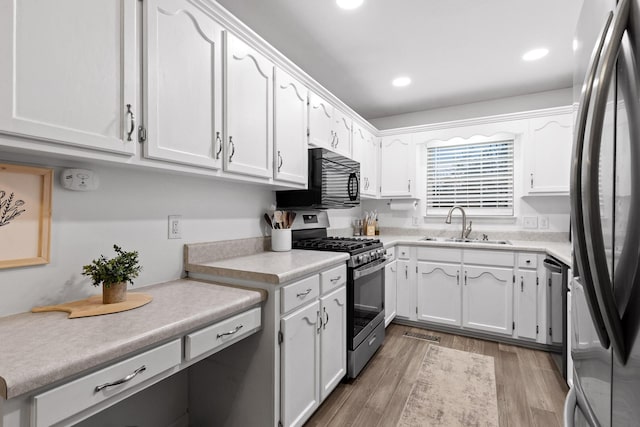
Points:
(544, 222)
(175, 226)
(530, 222)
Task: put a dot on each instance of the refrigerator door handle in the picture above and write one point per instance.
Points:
(590, 178)
(577, 223)
(570, 403)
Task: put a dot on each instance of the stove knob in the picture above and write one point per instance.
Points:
(359, 258)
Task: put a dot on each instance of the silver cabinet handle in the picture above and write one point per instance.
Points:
(409, 186)
(133, 122)
(280, 161)
(219, 142)
(121, 380)
(521, 284)
(326, 320)
(337, 141)
(335, 279)
(319, 319)
(233, 149)
(406, 271)
(531, 180)
(224, 334)
(333, 139)
(303, 294)
(458, 277)
(577, 220)
(602, 285)
(465, 278)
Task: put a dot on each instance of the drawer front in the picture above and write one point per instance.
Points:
(440, 254)
(527, 260)
(403, 252)
(484, 257)
(391, 252)
(221, 334)
(333, 278)
(296, 294)
(62, 402)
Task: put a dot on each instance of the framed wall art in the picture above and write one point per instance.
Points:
(25, 215)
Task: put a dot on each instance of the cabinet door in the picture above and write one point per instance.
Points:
(488, 299)
(342, 129)
(183, 84)
(321, 122)
(526, 290)
(68, 72)
(249, 112)
(439, 293)
(548, 155)
(370, 166)
(397, 167)
(390, 289)
(290, 132)
(406, 290)
(333, 340)
(299, 364)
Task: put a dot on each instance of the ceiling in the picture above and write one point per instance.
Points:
(455, 51)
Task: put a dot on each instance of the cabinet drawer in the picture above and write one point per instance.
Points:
(391, 252)
(527, 260)
(440, 254)
(483, 257)
(221, 334)
(333, 278)
(62, 402)
(403, 252)
(298, 293)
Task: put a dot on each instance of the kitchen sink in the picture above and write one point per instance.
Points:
(460, 240)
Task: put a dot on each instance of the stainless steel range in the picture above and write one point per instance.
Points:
(365, 286)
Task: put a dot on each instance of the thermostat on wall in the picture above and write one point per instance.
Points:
(79, 180)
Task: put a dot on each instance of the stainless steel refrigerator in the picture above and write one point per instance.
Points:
(605, 217)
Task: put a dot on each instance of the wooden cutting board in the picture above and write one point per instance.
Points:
(93, 306)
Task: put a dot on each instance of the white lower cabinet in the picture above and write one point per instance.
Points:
(488, 299)
(390, 290)
(313, 354)
(406, 289)
(526, 291)
(439, 293)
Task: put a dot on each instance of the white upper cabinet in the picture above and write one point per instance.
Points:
(183, 84)
(321, 122)
(342, 129)
(290, 129)
(397, 166)
(249, 110)
(547, 155)
(365, 150)
(68, 72)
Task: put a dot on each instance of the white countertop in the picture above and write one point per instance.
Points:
(39, 349)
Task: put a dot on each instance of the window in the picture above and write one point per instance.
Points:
(476, 176)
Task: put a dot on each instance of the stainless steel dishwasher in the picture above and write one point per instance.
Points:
(557, 278)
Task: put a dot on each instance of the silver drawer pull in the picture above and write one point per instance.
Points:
(224, 334)
(335, 279)
(121, 380)
(304, 294)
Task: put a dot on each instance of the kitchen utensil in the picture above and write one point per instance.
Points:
(277, 219)
(292, 217)
(267, 218)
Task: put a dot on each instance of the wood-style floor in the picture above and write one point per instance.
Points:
(530, 389)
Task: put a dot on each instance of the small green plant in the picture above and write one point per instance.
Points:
(122, 268)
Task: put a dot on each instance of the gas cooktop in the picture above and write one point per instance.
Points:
(352, 245)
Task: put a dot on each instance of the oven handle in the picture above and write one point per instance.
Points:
(367, 271)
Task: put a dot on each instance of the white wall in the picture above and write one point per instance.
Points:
(534, 101)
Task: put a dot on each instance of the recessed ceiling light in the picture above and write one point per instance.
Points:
(349, 4)
(401, 81)
(534, 54)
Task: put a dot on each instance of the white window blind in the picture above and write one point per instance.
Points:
(476, 176)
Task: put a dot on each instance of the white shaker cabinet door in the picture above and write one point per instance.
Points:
(526, 291)
(68, 72)
(333, 340)
(488, 299)
(290, 133)
(342, 129)
(390, 289)
(249, 110)
(321, 122)
(299, 367)
(439, 293)
(183, 84)
(370, 162)
(406, 290)
(397, 167)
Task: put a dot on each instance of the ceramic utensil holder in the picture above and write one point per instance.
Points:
(281, 240)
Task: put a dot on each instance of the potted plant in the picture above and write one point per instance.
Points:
(113, 274)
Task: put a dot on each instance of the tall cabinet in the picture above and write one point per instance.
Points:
(60, 81)
(397, 166)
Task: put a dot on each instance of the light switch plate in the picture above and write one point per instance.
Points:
(79, 180)
(544, 222)
(530, 222)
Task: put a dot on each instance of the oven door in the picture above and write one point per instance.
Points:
(366, 295)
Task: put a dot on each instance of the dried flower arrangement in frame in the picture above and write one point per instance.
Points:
(25, 215)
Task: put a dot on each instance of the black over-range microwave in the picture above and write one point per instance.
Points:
(334, 183)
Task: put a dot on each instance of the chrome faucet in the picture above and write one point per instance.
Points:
(465, 230)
